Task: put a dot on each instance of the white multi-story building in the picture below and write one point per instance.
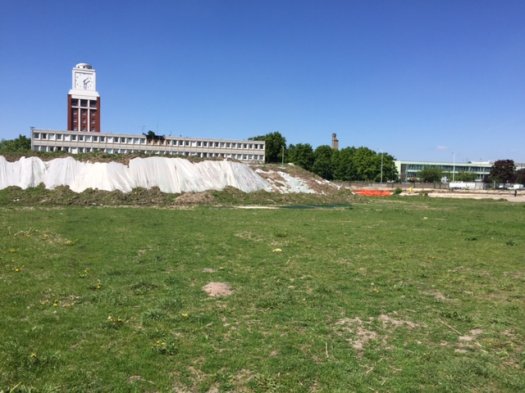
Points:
(87, 142)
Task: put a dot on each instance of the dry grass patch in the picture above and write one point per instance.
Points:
(242, 379)
(359, 333)
(360, 336)
(217, 289)
(248, 235)
(388, 321)
(469, 341)
(44, 236)
(436, 295)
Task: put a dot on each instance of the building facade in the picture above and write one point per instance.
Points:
(83, 100)
(408, 170)
(87, 142)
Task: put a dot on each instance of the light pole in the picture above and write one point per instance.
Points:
(381, 166)
(453, 166)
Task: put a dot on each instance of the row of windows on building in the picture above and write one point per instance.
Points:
(449, 168)
(83, 103)
(76, 150)
(84, 115)
(144, 141)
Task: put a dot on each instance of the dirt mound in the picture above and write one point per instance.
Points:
(195, 198)
(291, 178)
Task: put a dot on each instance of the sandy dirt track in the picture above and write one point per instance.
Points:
(508, 196)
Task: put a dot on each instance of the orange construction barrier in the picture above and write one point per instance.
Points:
(374, 193)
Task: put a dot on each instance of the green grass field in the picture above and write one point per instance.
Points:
(390, 295)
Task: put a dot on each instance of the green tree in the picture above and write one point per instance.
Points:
(20, 144)
(322, 165)
(342, 164)
(275, 145)
(152, 136)
(301, 154)
(502, 171)
(389, 167)
(430, 174)
(464, 176)
(366, 164)
(520, 177)
(362, 163)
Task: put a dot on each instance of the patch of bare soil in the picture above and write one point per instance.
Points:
(217, 289)
(248, 235)
(213, 389)
(471, 336)
(194, 198)
(468, 341)
(44, 236)
(179, 388)
(242, 379)
(137, 378)
(257, 207)
(208, 270)
(436, 295)
(321, 186)
(387, 320)
(360, 333)
(510, 339)
(480, 195)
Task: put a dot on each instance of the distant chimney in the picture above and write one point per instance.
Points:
(335, 142)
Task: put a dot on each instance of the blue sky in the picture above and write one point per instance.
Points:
(420, 79)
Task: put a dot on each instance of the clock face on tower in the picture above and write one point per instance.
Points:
(83, 81)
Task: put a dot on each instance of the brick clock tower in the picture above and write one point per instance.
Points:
(83, 100)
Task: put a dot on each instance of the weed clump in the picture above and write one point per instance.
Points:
(114, 322)
(166, 346)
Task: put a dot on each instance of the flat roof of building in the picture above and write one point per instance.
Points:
(477, 163)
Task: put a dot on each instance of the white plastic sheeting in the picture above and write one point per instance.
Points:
(172, 175)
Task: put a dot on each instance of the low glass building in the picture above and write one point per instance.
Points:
(408, 170)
